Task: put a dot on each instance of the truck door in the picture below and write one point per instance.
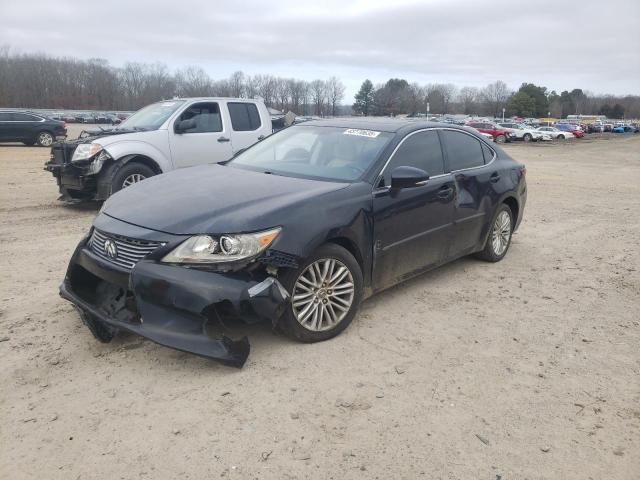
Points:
(208, 141)
(246, 124)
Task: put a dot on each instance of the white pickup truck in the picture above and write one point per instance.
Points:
(156, 139)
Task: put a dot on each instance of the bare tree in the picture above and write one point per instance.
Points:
(495, 97)
(237, 84)
(335, 93)
(468, 99)
(319, 95)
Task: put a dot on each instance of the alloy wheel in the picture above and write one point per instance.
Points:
(323, 295)
(501, 233)
(45, 139)
(133, 178)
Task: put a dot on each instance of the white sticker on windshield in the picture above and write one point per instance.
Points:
(361, 133)
(168, 104)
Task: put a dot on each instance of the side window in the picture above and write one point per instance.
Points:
(5, 117)
(206, 115)
(24, 117)
(463, 151)
(420, 150)
(244, 116)
(487, 152)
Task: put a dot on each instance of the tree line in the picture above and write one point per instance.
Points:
(397, 96)
(43, 81)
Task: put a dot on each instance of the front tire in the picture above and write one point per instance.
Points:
(561, 137)
(527, 137)
(326, 292)
(44, 139)
(130, 173)
(499, 238)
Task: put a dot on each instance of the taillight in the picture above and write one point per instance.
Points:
(523, 170)
(64, 125)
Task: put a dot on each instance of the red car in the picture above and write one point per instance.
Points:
(499, 134)
(567, 127)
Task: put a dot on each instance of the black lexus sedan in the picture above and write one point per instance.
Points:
(30, 128)
(296, 230)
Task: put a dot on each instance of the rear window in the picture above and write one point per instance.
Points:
(244, 116)
(463, 150)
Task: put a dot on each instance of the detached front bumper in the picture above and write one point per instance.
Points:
(174, 306)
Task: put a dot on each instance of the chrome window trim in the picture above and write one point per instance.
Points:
(443, 153)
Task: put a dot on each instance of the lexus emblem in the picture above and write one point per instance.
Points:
(110, 248)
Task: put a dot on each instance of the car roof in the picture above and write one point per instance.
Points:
(382, 124)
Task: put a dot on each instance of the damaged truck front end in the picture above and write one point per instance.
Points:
(77, 166)
(182, 307)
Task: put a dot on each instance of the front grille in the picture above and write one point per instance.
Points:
(129, 251)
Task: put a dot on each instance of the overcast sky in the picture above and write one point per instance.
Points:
(593, 45)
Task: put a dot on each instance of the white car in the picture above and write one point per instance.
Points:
(161, 137)
(556, 134)
(523, 132)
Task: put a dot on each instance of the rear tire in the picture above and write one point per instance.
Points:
(44, 139)
(501, 139)
(130, 173)
(499, 238)
(527, 137)
(561, 137)
(333, 314)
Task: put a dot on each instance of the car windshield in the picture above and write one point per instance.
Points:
(327, 153)
(151, 117)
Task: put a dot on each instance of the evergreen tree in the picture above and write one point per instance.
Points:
(364, 98)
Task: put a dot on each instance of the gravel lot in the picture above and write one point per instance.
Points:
(529, 368)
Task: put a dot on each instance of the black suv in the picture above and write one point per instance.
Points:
(30, 128)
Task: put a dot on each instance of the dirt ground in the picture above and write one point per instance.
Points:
(524, 369)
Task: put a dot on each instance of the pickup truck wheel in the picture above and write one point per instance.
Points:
(45, 139)
(130, 173)
(501, 139)
(527, 137)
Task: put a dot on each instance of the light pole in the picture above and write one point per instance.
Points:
(427, 111)
(503, 114)
(548, 118)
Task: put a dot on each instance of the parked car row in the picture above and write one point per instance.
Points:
(92, 117)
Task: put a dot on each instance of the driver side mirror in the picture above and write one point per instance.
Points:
(184, 125)
(408, 177)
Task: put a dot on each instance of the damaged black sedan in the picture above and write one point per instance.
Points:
(296, 231)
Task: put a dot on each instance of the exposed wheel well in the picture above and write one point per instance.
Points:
(145, 161)
(512, 203)
(351, 247)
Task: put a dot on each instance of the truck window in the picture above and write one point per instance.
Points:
(244, 116)
(206, 115)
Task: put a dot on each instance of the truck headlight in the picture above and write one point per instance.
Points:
(226, 248)
(84, 151)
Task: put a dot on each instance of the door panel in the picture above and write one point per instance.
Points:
(208, 142)
(412, 229)
(473, 183)
(412, 225)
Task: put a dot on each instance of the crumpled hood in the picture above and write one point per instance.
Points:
(213, 199)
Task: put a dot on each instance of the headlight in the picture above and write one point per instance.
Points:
(226, 248)
(85, 151)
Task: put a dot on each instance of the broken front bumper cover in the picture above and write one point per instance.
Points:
(172, 305)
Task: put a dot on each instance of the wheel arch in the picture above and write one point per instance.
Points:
(350, 246)
(144, 159)
(512, 203)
